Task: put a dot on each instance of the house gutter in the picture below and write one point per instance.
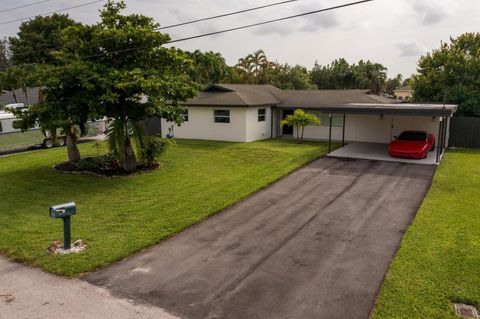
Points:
(271, 121)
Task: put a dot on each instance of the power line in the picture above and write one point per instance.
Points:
(182, 23)
(225, 14)
(270, 21)
(237, 28)
(24, 6)
(52, 12)
(228, 30)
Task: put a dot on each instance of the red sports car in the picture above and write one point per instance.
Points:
(412, 144)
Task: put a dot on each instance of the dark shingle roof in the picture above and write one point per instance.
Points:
(236, 95)
(335, 101)
(7, 97)
(255, 95)
(307, 99)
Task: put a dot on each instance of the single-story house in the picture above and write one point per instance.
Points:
(7, 97)
(245, 113)
(404, 93)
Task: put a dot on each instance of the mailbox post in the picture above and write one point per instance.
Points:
(64, 211)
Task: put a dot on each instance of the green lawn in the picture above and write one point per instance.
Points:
(439, 259)
(10, 141)
(120, 216)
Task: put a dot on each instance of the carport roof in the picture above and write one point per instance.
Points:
(394, 109)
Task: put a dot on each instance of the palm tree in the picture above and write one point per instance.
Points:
(371, 76)
(246, 67)
(259, 61)
(119, 140)
(299, 119)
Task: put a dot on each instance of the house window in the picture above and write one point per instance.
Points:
(337, 120)
(185, 115)
(262, 114)
(222, 116)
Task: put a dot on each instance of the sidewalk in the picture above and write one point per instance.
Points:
(27, 292)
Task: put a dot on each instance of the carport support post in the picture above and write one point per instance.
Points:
(445, 132)
(330, 133)
(343, 131)
(439, 138)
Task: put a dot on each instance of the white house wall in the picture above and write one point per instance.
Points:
(256, 130)
(201, 125)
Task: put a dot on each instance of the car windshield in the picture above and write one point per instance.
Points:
(413, 136)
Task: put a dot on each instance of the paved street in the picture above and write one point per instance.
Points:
(29, 293)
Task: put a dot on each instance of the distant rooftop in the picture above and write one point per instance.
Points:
(7, 97)
(404, 88)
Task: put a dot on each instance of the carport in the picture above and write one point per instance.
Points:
(434, 118)
(365, 129)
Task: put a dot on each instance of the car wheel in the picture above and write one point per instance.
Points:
(433, 148)
(47, 143)
(61, 141)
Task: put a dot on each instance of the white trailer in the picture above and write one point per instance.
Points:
(11, 136)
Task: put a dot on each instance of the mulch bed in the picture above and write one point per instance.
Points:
(67, 167)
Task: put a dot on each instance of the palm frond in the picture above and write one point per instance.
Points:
(138, 133)
(116, 137)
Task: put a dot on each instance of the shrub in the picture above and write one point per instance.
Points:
(97, 162)
(91, 163)
(152, 147)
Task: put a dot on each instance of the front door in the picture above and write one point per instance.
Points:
(287, 130)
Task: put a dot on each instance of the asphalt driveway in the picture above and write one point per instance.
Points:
(316, 244)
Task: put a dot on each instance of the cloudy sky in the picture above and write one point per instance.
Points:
(392, 32)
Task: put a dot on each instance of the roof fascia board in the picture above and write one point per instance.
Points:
(377, 111)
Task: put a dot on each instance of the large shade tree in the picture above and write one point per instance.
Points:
(67, 105)
(138, 76)
(392, 84)
(5, 55)
(36, 38)
(451, 74)
(208, 67)
(288, 77)
(341, 75)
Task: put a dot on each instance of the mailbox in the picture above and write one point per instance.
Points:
(63, 210)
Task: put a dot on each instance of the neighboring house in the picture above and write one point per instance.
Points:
(7, 97)
(244, 113)
(404, 93)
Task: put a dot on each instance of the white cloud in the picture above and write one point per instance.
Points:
(380, 30)
(409, 49)
(315, 22)
(432, 11)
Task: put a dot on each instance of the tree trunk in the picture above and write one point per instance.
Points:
(129, 162)
(72, 149)
(14, 96)
(301, 135)
(25, 91)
